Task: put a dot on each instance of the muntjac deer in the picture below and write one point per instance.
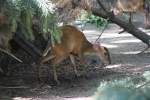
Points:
(73, 42)
(131, 6)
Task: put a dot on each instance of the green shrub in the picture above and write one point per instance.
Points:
(21, 12)
(98, 21)
(125, 89)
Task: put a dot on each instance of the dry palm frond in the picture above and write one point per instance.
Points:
(11, 55)
(84, 4)
(69, 10)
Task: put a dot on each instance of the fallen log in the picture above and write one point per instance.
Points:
(27, 46)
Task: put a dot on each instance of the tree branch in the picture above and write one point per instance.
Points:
(125, 25)
(102, 12)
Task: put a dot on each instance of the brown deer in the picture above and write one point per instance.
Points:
(73, 42)
(131, 6)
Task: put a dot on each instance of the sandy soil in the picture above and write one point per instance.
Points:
(124, 49)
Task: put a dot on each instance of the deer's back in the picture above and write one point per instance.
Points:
(71, 41)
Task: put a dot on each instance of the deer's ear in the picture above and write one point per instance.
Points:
(95, 46)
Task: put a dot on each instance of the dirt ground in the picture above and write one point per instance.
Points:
(21, 84)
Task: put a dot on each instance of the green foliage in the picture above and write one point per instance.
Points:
(21, 12)
(55, 37)
(13, 25)
(98, 21)
(26, 23)
(125, 89)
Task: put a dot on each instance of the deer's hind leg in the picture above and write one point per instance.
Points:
(74, 65)
(57, 60)
(40, 63)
